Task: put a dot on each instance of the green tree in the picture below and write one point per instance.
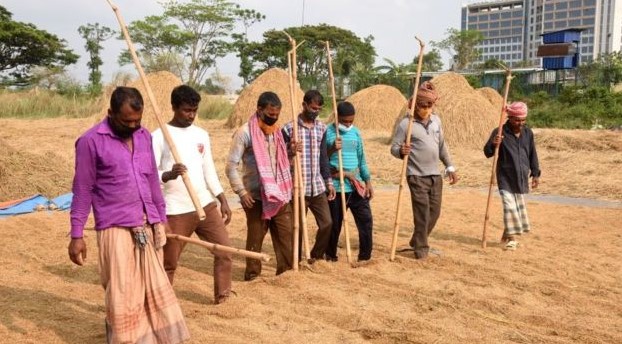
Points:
(24, 46)
(349, 53)
(432, 61)
(461, 44)
(94, 35)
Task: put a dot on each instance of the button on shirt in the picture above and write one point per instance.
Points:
(120, 185)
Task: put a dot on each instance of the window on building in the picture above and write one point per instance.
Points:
(517, 14)
(589, 11)
(494, 25)
(472, 18)
(506, 23)
(548, 25)
(483, 17)
(472, 26)
(517, 31)
(505, 32)
(561, 15)
(574, 22)
(588, 21)
(574, 14)
(494, 16)
(562, 5)
(548, 16)
(549, 7)
(561, 24)
(589, 2)
(575, 4)
(517, 22)
(506, 15)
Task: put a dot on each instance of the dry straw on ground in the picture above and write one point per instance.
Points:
(377, 107)
(467, 116)
(275, 80)
(24, 173)
(162, 84)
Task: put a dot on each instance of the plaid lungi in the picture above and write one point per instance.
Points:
(141, 306)
(515, 216)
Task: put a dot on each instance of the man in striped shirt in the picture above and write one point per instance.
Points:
(317, 182)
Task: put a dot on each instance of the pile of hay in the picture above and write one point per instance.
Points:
(162, 84)
(275, 80)
(24, 174)
(574, 140)
(468, 117)
(493, 97)
(377, 107)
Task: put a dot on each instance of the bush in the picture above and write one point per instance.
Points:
(45, 104)
(214, 107)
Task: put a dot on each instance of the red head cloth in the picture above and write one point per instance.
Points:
(427, 93)
(517, 109)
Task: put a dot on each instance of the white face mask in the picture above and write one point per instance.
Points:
(344, 128)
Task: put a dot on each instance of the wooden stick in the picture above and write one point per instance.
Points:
(411, 116)
(344, 208)
(157, 112)
(508, 79)
(302, 214)
(215, 247)
(296, 176)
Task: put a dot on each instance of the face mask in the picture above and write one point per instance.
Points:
(121, 130)
(312, 115)
(344, 128)
(269, 121)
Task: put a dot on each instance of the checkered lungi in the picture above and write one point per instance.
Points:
(515, 216)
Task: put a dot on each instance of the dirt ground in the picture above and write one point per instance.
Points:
(563, 285)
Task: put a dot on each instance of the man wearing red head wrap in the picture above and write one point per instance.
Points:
(427, 147)
(517, 161)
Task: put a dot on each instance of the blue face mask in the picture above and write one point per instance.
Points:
(344, 128)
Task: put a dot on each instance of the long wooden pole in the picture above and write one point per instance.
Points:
(157, 112)
(215, 247)
(296, 224)
(411, 116)
(342, 190)
(508, 79)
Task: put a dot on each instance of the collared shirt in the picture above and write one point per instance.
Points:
(121, 185)
(352, 153)
(518, 159)
(195, 152)
(242, 151)
(314, 159)
(427, 147)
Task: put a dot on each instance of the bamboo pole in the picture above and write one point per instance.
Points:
(508, 79)
(344, 208)
(302, 215)
(411, 116)
(157, 112)
(296, 224)
(216, 247)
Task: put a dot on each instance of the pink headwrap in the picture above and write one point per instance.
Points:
(517, 109)
(427, 93)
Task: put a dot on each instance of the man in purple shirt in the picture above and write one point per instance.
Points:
(115, 174)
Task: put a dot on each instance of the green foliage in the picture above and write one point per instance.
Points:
(94, 35)
(199, 31)
(432, 61)
(214, 107)
(350, 54)
(606, 70)
(474, 80)
(47, 104)
(461, 45)
(24, 46)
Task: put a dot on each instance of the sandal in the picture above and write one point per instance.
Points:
(511, 245)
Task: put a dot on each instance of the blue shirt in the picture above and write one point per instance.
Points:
(353, 155)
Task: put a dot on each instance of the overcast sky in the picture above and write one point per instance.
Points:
(393, 23)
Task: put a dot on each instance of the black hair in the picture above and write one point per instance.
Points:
(184, 94)
(268, 98)
(122, 95)
(345, 109)
(313, 96)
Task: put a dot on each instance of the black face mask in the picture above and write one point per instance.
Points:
(121, 130)
(270, 121)
(312, 115)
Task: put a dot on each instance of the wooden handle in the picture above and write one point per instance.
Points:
(157, 112)
(215, 247)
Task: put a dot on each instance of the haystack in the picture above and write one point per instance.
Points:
(493, 97)
(377, 107)
(468, 117)
(275, 80)
(162, 84)
(24, 174)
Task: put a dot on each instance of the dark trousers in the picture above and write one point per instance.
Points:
(426, 196)
(361, 211)
(211, 229)
(281, 229)
(320, 210)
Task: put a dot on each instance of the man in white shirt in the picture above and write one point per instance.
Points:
(193, 146)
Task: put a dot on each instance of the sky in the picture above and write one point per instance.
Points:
(393, 23)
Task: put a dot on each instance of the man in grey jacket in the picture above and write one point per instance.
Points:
(427, 147)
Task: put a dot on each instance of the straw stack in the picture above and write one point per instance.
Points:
(467, 116)
(275, 80)
(493, 96)
(377, 107)
(162, 84)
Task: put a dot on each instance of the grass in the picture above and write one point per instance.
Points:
(46, 104)
(214, 107)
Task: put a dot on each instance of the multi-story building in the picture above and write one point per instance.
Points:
(512, 28)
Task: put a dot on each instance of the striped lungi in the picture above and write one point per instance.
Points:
(515, 216)
(141, 306)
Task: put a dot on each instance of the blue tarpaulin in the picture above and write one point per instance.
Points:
(23, 206)
(63, 202)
